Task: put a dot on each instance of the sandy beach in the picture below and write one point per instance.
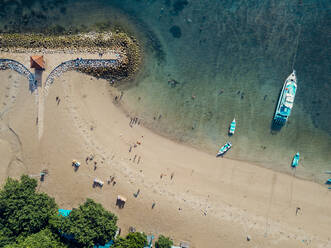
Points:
(208, 201)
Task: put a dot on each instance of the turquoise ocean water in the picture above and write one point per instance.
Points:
(233, 57)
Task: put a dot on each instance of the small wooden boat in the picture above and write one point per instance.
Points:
(227, 146)
(295, 161)
(232, 127)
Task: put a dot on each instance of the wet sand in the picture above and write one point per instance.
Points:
(210, 202)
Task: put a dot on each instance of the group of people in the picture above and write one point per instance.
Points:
(134, 121)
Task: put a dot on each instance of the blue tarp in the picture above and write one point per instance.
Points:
(149, 241)
(64, 212)
(107, 245)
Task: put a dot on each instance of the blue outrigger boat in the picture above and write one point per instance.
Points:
(227, 146)
(286, 100)
(232, 127)
(295, 161)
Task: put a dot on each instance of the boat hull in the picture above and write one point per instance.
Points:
(285, 101)
(226, 147)
(232, 127)
(295, 161)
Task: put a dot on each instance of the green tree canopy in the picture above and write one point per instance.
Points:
(163, 242)
(132, 240)
(22, 210)
(42, 239)
(89, 224)
(6, 236)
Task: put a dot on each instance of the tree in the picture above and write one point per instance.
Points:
(89, 224)
(22, 210)
(42, 239)
(6, 236)
(132, 240)
(163, 242)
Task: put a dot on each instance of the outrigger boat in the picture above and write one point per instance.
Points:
(295, 161)
(232, 127)
(227, 146)
(286, 100)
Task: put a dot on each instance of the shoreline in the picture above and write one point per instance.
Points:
(252, 197)
(220, 196)
(303, 175)
(212, 165)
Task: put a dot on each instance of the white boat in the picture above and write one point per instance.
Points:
(232, 127)
(227, 146)
(286, 100)
(295, 161)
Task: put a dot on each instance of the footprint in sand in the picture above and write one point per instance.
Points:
(15, 166)
(92, 145)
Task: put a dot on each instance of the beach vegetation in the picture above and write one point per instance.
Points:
(89, 224)
(31, 219)
(163, 242)
(42, 239)
(23, 211)
(132, 240)
(6, 236)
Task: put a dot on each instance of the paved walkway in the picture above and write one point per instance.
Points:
(6, 64)
(75, 65)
